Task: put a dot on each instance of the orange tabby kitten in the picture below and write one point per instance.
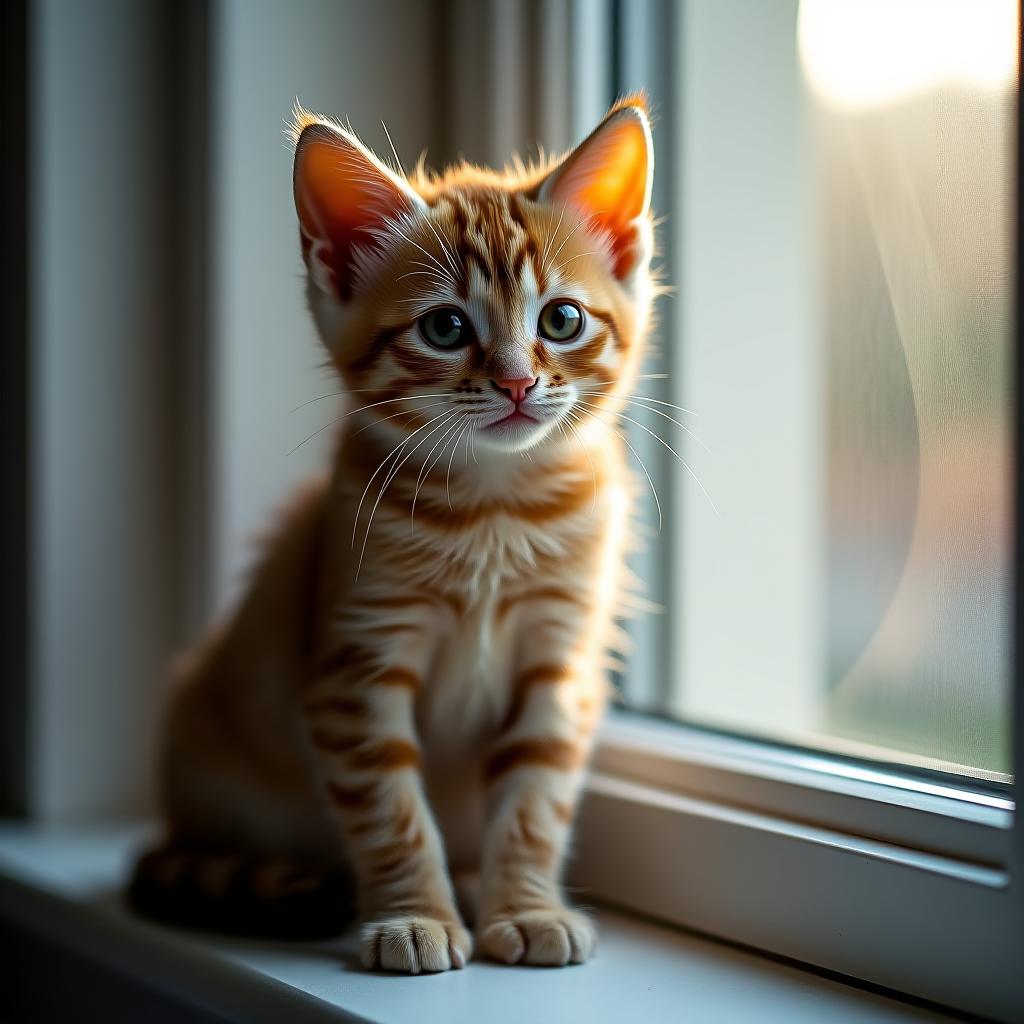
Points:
(412, 682)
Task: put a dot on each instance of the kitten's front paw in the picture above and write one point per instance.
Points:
(412, 944)
(552, 937)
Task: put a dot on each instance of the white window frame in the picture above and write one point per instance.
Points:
(902, 880)
(902, 883)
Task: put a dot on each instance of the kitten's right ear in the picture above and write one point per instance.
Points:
(344, 195)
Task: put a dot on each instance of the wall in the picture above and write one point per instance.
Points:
(98, 430)
(359, 61)
(169, 340)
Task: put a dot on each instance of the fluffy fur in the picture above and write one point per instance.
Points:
(410, 686)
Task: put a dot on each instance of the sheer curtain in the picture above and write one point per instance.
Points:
(844, 222)
(916, 237)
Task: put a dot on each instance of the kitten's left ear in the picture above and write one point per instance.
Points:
(608, 177)
(344, 196)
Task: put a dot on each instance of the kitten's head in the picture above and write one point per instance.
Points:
(498, 304)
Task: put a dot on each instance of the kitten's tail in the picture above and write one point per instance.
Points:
(268, 897)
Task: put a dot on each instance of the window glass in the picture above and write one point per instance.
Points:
(842, 248)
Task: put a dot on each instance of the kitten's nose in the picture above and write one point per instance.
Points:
(515, 387)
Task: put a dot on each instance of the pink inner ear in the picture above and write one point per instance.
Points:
(608, 179)
(341, 194)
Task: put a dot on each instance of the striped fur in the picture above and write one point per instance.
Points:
(412, 682)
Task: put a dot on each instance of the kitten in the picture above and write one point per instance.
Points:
(411, 684)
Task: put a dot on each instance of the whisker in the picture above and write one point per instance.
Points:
(400, 461)
(401, 444)
(444, 248)
(392, 145)
(421, 301)
(572, 418)
(455, 447)
(362, 408)
(403, 398)
(430, 256)
(419, 273)
(667, 405)
(392, 473)
(347, 391)
(454, 249)
(639, 376)
(326, 426)
(578, 256)
(663, 442)
(427, 466)
(654, 490)
(435, 281)
(551, 237)
(434, 276)
(644, 398)
(380, 466)
(576, 228)
(565, 437)
(657, 412)
(319, 398)
(395, 415)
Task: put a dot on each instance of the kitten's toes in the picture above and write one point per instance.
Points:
(549, 938)
(412, 944)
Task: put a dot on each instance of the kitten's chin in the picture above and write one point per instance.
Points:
(515, 433)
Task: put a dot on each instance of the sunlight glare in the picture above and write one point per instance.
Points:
(859, 54)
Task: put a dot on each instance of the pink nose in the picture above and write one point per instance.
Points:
(516, 387)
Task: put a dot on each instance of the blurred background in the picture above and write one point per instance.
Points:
(835, 181)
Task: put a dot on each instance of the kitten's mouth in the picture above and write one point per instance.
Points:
(515, 418)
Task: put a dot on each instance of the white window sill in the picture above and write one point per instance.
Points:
(61, 885)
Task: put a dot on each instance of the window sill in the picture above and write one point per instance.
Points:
(902, 883)
(61, 886)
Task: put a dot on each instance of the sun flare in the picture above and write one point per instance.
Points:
(859, 54)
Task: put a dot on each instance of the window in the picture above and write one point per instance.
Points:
(816, 750)
(822, 762)
(841, 230)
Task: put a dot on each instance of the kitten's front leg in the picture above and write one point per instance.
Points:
(365, 738)
(533, 776)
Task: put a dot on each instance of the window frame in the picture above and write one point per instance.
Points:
(895, 878)
(911, 892)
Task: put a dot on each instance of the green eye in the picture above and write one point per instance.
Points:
(561, 320)
(446, 328)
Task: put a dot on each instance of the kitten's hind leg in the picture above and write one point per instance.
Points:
(253, 848)
(270, 897)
